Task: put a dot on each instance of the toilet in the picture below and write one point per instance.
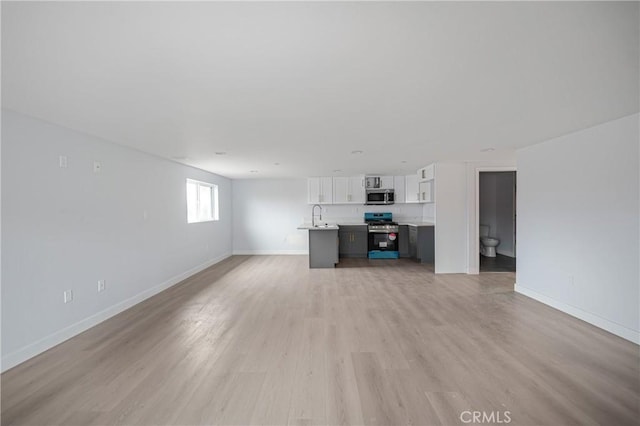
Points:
(487, 244)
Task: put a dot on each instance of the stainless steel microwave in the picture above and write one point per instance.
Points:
(380, 196)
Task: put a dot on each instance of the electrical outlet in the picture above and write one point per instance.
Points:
(102, 285)
(68, 296)
(97, 167)
(62, 161)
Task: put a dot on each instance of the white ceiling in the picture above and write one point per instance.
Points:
(304, 84)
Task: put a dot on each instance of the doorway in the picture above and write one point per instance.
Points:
(497, 221)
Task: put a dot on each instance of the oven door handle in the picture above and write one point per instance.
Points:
(375, 231)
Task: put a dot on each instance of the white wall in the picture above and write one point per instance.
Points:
(266, 214)
(451, 218)
(497, 204)
(429, 212)
(578, 225)
(65, 228)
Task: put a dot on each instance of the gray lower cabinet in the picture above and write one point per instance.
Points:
(413, 242)
(323, 248)
(353, 240)
(403, 241)
(422, 243)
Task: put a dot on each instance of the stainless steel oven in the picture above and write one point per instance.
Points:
(382, 237)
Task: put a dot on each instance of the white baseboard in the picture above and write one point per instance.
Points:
(603, 323)
(36, 348)
(270, 252)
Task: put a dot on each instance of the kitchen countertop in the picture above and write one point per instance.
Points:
(322, 227)
(325, 226)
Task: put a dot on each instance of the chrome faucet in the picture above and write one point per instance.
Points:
(313, 214)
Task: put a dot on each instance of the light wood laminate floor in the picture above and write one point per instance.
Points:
(264, 340)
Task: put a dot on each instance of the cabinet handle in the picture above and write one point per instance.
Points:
(348, 197)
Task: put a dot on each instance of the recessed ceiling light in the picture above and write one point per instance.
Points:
(276, 164)
(487, 149)
(337, 171)
(180, 158)
(253, 171)
(356, 152)
(221, 153)
(403, 161)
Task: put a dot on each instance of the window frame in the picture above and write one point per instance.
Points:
(215, 211)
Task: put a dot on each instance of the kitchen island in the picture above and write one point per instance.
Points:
(323, 245)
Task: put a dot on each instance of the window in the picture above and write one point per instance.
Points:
(202, 201)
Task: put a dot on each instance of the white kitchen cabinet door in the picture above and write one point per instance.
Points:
(320, 190)
(340, 190)
(357, 193)
(426, 191)
(326, 190)
(386, 182)
(399, 189)
(348, 190)
(411, 189)
(313, 190)
(426, 173)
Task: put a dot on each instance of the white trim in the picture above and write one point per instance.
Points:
(27, 352)
(473, 261)
(270, 252)
(598, 321)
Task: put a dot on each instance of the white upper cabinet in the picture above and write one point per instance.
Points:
(425, 190)
(356, 186)
(320, 190)
(348, 190)
(425, 182)
(386, 182)
(399, 188)
(426, 173)
(411, 189)
(340, 190)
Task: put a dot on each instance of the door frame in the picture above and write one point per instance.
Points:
(474, 244)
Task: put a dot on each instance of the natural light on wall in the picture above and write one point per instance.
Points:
(202, 201)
